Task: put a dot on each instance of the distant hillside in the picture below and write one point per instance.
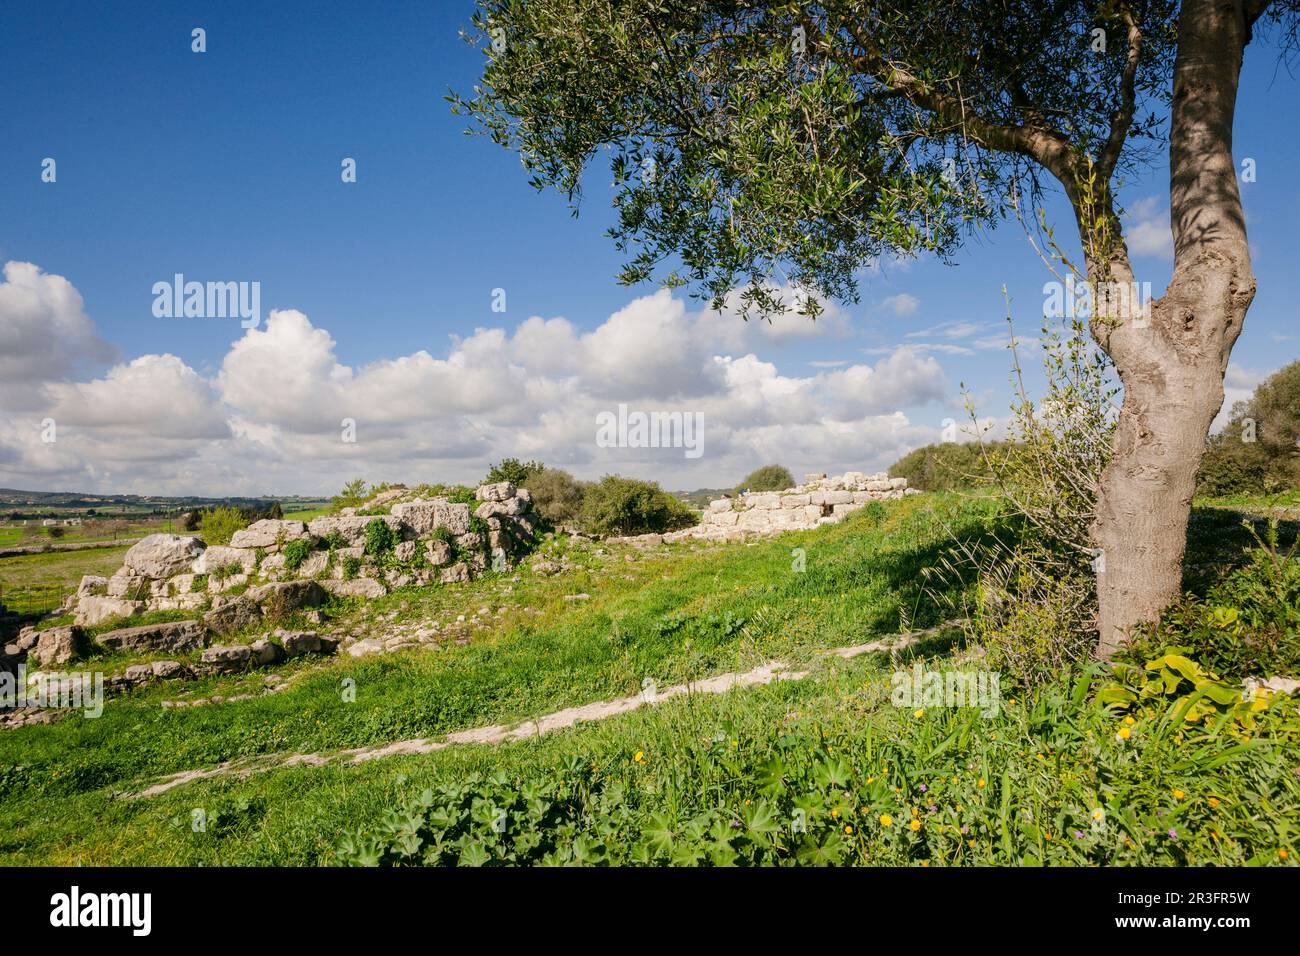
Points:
(36, 504)
(701, 497)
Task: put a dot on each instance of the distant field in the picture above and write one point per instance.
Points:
(35, 582)
(306, 515)
(92, 530)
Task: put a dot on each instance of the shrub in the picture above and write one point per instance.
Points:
(379, 538)
(1246, 624)
(353, 493)
(950, 466)
(557, 495)
(295, 553)
(619, 506)
(228, 570)
(1257, 452)
(1034, 606)
(334, 541)
(768, 478)
(219, 525)
(351, 567)
(513, 470)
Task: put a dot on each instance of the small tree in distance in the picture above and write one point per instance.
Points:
(768, 478)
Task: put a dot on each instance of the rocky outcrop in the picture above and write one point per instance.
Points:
(820, 500)
(57, 645)
(172, 637)
(269, 534)
(433, 540)
(159, 556)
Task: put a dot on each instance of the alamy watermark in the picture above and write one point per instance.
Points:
(947, 688)
(1130, 301)
(208, 300)
(72, 690)
(651, 430)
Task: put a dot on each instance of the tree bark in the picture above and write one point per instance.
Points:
(1172, 363)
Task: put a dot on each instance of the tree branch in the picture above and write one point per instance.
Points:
(1123, 119)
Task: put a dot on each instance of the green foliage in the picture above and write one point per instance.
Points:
(352, 495)
(1178, 688)
(335, 541)
(557, 495)
(768, 478)
(621, 506)
(351, 567)
(1053, 780)
(1247, 623)
(380, 539)
(1034, 605)
(219, 525)
(227, 570)
(199, 584)
(795, 147)
(513, 470)
(950, 466)
(1257, 453)
(295, 553)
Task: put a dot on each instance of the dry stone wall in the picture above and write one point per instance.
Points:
(288, 565)
(819, 500)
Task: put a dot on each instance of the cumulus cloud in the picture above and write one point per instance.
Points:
(45, 334)
(1147, 231)
(274, 416)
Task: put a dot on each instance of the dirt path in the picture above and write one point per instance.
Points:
(505, 733)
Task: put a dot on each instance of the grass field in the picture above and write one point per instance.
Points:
(37, 535)
(32, 582)
(801, 771)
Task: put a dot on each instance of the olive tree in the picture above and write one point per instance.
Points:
(764, 153)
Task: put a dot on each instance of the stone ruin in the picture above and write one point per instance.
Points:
(819, 500)
(265, 568)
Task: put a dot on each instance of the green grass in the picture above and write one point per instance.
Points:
(1046, 764)
(306, 515)
(39, 582)
(93, 531)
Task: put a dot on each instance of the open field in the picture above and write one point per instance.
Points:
(32, 582)
(802, 770)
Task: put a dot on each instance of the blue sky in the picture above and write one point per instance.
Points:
(226, 166)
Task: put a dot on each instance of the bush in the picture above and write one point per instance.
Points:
(219, 525)
(1034, 606)
(768, 478)
(1246, 625)
(353, 493)
(351, 567)
(379, 538)
(557, 495)
(950, 466)
(1256, 453)
(620, 506)
(513, 470)
(295, 553)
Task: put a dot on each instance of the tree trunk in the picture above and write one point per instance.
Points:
(1172, 365)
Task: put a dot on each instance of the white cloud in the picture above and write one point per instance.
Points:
(1239, 385)
(270, 419)
(45, 334)
(1147, 231)
(902, 304)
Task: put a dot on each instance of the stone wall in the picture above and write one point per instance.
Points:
(436, 540)
(819, 500)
